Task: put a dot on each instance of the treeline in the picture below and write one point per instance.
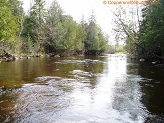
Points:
(46, 30)
(149, 40)
(115, 49)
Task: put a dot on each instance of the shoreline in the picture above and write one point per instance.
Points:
(7, 57)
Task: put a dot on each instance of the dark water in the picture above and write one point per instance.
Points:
(104, 89)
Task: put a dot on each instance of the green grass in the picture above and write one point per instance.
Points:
(120, 53)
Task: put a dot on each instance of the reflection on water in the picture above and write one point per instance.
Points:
(104, 89)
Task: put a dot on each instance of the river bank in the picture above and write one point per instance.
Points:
(7, 57)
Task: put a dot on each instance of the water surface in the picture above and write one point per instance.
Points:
(90, 89)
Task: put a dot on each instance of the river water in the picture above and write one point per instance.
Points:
(85, 89)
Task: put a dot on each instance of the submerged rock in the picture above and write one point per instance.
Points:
(142, 60)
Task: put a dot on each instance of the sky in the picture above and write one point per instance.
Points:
(77, 8)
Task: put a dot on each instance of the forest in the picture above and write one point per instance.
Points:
(142, 28)
(48, 30)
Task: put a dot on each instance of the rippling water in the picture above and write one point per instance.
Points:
(102, 89)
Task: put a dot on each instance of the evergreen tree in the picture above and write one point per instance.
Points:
(80, 37)
(151, 31)
(37, 19)
(17, 11)
(92, 34)
(54, 27)
(95, 39)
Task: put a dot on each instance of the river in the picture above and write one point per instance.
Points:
(84, 89)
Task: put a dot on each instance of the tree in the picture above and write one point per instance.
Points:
(80, 37)
(8, 26)
(62, 31)
(37, 22)
(17, 11)
(144, 38)
(127, 22)
(69, 39)
(103, 41)
(95, 39)
(92, 34)
(151, 30)
(54, 27)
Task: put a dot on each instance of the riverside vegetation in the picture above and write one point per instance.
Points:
(46, 31)
(50, 31)
(142, 26)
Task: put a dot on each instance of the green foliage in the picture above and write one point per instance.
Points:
(37, 15)
(34, 27)
(95, 39)
(151, 30)
(27, 30)
(74, 35)
(17, 11)
(131, 41)
(113, 49)
(64, 33)
(69, 35)
(80, 38)
(8, 26)
(48, 30)
(148, 42)
(54, 27)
